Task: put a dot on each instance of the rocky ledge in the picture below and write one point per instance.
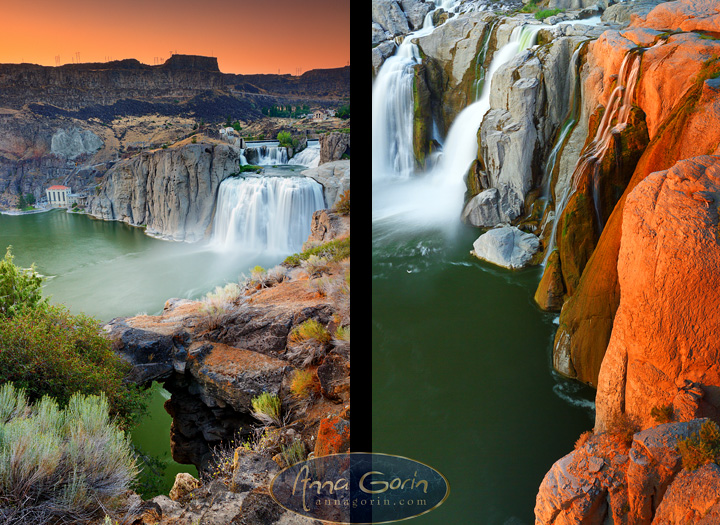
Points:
(215, 355)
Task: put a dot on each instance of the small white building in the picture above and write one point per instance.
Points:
(58, 196)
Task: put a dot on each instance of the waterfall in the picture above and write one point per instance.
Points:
(613, 121)
(269, 214)
(570, 121)
(309, 157)
(437, 197)
(271, 155)
(480, 61)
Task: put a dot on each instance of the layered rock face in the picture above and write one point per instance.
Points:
(181, 77)
(170, 191)
(333, 146)
(662, 362)
(334, 178)
(214, 368)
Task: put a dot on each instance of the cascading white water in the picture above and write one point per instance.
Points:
(436, 197)
(268, 214)
(309, 157)
(618, 111)
(272, 155)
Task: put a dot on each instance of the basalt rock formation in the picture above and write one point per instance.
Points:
(664, 336)
(183, 84)
(171, 191)
(69, 124)
(680, 103)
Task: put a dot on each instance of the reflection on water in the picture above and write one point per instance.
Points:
(462, 374)
(109, 269)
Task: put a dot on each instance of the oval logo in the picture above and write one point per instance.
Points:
(359, 487)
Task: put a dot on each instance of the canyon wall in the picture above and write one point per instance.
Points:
(172, 192)
(602, 144)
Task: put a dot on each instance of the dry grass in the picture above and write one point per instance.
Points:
(304, 384)
(267, 408)
(583, 439)
(309, 330)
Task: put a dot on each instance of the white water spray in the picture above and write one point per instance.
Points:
(268, 214)
(309, 157)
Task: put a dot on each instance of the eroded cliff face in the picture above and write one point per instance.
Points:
(661, 364)
(665, 336)
(680, 103)
(172, 192)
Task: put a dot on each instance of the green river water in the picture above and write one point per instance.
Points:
(462, 377)
(110, 269)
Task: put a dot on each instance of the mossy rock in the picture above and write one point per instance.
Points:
(577, 233)
(620, 161)
(550, 293)
(422, 117)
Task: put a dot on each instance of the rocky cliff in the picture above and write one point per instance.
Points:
(216, 354)
(69, 124)
(183, 84)
(171, 192)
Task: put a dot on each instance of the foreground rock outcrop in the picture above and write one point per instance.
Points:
(217, 354)
(621, 478)
(661, 363)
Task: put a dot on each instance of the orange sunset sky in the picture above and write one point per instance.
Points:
(247, 36)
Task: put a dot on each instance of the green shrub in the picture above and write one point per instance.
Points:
(249, 167)
(266, 408)
(530, 7)
(310, 329)
(343, 112)
(701, 447)
(285, 138)
(662, 414)
(335, 250)
(48, 351)
(20, 290)
(60, 465)
(542, 15)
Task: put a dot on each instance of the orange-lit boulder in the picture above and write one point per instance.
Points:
(665, 331)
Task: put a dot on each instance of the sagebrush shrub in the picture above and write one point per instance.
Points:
(48, 351)
(60, 465)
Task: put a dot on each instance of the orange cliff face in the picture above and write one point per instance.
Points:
(681, 104)
(665, 345)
